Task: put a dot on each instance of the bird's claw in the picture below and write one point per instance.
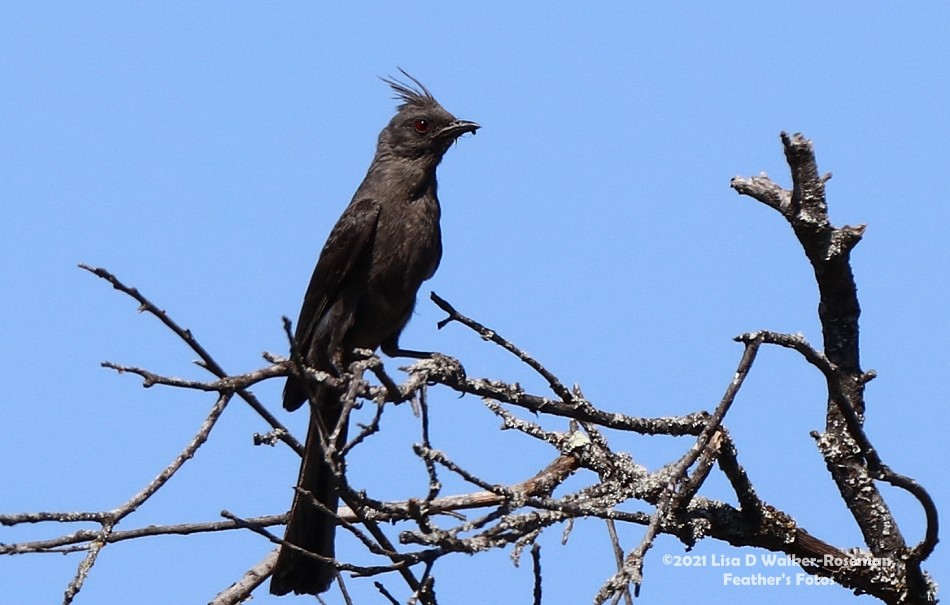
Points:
(449, 367)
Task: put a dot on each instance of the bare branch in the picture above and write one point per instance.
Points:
(536, 566)
(206, 360)
(559, 389)
(240, 591)
(496, 515)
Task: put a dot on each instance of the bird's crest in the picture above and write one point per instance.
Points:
(415, 94)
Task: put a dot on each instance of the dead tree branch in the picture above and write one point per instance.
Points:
(579, 432)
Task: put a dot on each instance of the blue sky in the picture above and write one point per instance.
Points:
(202, 151)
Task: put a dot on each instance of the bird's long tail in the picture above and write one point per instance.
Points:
(309, 527)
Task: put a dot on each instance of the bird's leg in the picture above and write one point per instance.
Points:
(392, 349)
(397, 352)
(450, 365)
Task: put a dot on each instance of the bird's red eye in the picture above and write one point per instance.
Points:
(421, 126)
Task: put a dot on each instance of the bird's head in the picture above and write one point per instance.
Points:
(421, 129)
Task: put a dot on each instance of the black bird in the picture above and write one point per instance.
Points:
(361, 295)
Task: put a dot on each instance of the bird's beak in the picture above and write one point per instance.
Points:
(457, 129)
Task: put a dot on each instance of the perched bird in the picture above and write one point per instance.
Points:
(362, 293)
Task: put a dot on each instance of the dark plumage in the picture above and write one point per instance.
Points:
(361, 295)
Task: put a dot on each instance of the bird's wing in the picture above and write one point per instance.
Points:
(350, 239)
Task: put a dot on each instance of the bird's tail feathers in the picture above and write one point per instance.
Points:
(309, 527)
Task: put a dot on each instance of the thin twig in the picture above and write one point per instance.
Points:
(536, 567)
(206, 360)
(559, 389)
